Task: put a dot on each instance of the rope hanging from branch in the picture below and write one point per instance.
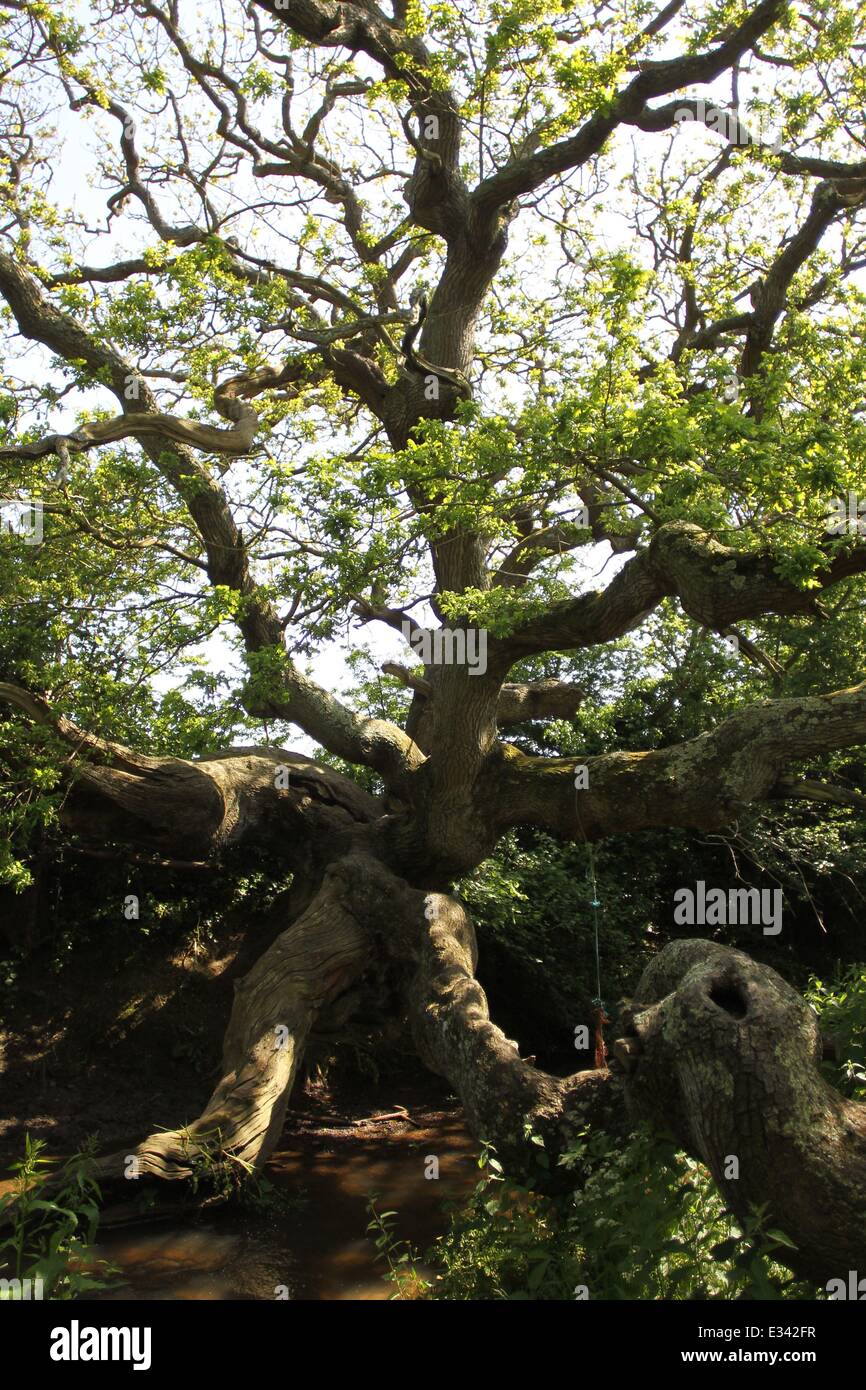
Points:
(598, 1015)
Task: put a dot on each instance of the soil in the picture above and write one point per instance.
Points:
(143, 1050)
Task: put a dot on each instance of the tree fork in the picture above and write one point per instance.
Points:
(704, 1063)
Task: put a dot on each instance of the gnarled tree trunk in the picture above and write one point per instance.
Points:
(728, 1063)
(728, 1059)
(314, 961)
(720, 1051)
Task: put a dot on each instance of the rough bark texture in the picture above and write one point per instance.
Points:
(431, 939)
(311, 964)
(728, 1063)
(728, 1054)
(721, 1051)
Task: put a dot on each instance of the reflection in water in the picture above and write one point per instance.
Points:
(314, 1245)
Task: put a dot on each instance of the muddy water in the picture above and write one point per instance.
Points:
(311, 1242)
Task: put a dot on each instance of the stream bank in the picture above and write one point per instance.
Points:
(309, 1241)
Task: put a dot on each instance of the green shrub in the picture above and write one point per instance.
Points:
(841, 1008)
(646, 1222)
(51, 1233)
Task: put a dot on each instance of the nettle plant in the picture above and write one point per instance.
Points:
(645, 1222)
(381, 316)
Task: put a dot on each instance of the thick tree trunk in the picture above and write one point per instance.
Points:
(426, 940)
(728, 1063)
(721, 1052)
(724, 1054)
(507, 1099)
(313, 962)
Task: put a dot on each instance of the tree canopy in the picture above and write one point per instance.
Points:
(534, 326)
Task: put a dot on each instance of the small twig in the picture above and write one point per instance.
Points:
(400, 1113)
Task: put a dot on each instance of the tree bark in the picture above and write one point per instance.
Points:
(719, 1051)
(314, 961)
(728, 1062)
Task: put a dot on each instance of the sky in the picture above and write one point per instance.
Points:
(73, 179)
